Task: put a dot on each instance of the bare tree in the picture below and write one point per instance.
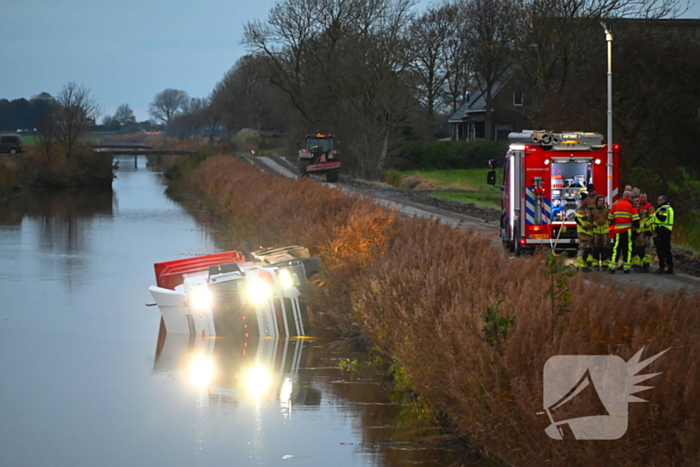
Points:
(74, 111)
(457, 56)
(124, 115)
(246, 98)
(488, 35)
(341, 62)
(47, 136)
(431, 64)
(555, 38)
(168, 104)
(191, 118)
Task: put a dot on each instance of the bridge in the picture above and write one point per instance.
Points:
(137, 150)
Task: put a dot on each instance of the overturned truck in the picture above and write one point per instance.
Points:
(222, 294)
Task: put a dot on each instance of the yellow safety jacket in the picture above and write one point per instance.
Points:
(601, 225)
(663, 217)
(646, 217)
(583, 220)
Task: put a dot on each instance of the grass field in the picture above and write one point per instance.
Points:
(29, 140)
(472, 181)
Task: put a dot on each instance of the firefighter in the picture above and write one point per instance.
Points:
(663, 226)
(601, 229)
(584, 230)
(641, 255)
(635, 204)
(591, 194)
(623, 217)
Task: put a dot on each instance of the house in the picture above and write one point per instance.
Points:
(469, 122)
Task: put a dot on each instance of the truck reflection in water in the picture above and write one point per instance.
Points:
(231, 370)
(297, 375)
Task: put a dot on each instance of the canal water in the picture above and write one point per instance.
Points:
(87, 379)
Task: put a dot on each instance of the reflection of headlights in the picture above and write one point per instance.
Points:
(200, 298)
(285, 278)
(257, 381)
(286, 391)
(201, 371)
(258, 290)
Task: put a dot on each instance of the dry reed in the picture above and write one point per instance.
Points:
(418, 290)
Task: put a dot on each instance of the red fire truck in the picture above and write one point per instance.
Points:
(544, 174)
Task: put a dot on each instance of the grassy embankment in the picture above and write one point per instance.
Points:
(33, 170)
(419, 292)
(469, 185)
(36, 169)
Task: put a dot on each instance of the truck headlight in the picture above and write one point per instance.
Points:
(257, 290)
(285, 278)
(200, 298)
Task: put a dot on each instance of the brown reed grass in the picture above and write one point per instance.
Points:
(417, 290)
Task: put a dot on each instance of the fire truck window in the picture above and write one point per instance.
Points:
(568, 180)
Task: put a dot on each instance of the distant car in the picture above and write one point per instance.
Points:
(11, 144)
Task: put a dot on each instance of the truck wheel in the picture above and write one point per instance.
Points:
(301, 166)
(517, 247)
(507, 244)
(332, 176)
(13, 151)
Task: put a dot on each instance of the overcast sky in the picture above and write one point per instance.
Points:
(126, 51)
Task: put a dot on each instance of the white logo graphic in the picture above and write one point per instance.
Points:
(586, 396)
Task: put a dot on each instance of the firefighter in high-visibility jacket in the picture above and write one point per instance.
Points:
(663, 226)
(601, 229)
(584, 231)
(641, 254)
(623, 218)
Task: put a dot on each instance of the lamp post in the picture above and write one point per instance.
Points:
(608, 27)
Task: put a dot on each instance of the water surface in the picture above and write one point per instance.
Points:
(88, 379)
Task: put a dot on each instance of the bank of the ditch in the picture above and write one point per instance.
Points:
(419, 292)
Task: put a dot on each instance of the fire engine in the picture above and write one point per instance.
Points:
(544, 174)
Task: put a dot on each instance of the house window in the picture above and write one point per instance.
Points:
(503, 130)
(517, 98)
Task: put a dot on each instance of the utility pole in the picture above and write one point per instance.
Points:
(608, 27)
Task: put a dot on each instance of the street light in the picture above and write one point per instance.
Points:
(608, 27)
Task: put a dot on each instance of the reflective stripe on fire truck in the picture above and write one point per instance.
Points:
(530, 208)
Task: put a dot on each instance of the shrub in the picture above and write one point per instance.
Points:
(247, 139)
(178, 167)
(446, 155)
(52, 169)
(394, 178)
(8, 175)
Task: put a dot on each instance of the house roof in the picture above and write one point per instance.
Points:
(475, 103)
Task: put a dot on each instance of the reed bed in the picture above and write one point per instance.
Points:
(418, 292)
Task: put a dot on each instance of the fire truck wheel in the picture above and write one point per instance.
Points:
(507, 244)
(517, 247)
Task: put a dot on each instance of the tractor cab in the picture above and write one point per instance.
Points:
(319, 144)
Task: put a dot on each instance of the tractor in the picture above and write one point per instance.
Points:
(320, 157)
